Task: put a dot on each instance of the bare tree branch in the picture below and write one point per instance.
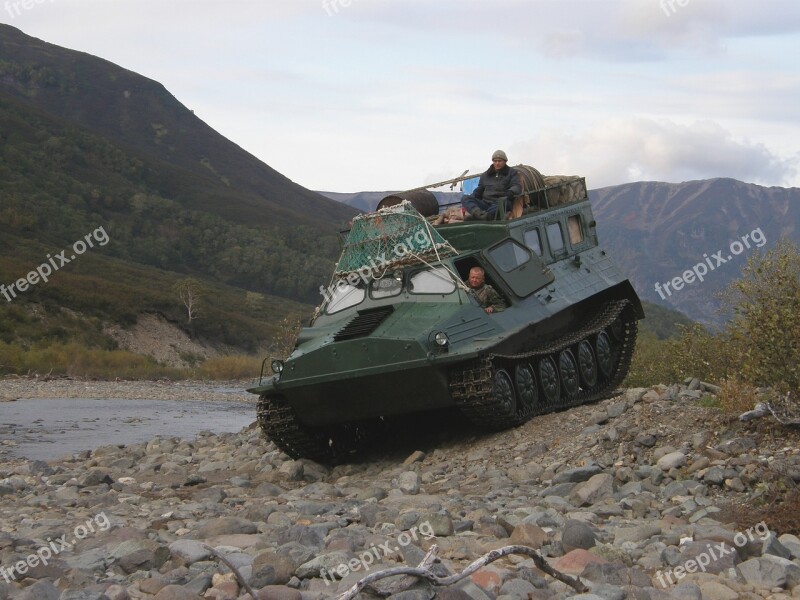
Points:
(423, 571)
(405, 582)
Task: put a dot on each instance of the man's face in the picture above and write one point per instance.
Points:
(498, 163)
(475, 278)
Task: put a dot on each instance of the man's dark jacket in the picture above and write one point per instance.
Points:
(495, 185)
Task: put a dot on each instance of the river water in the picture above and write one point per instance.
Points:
(48, 429)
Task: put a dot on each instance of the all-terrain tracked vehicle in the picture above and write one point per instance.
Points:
(399, 330)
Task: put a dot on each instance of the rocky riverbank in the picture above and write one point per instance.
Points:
(639, 495)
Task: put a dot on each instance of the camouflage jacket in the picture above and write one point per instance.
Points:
(487, 296)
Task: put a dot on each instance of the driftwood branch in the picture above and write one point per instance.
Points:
(784, 410)
(787, 408)
(405, 582)
(233, 569)
(423, 572)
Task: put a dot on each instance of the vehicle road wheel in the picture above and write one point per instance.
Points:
(617, 329)
(504, 393)
(587, 365)
(527, 392)
(548, 376)
(605, 354)
(568, 369)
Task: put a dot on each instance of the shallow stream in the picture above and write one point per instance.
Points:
(47, 429)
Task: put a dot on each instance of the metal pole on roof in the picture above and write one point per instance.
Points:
(453, 181)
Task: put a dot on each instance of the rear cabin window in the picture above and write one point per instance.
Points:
(533, 241)
(555, 237)
(575, 230)
(509, 255)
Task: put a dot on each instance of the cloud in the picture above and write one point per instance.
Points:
(412, 89)
(622, 150)
(621, 30)
(769, 95)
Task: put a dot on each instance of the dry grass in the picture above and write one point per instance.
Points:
(781, 513)
(75, 360)
(78, 361)
(230, 367)
(736, 397)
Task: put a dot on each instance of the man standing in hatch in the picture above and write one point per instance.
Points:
(496, 190)
(485, 294)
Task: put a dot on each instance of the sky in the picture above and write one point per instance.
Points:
(355, 95)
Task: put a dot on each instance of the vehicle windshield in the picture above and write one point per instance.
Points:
(344, 296)
(432, 281)
(387, 286)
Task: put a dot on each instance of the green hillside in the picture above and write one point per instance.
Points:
(661, 322)
(175, 198)
(59, 183)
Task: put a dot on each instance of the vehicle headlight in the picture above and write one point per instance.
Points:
(277, 366)
(441, 339)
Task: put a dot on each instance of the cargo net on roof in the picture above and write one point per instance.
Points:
(389, 238)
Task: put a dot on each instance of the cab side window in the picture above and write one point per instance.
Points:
(509, 255)
(575, 229)
(555, 238)
(520, 270)
(533, 241)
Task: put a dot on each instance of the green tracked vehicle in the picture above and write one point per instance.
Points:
(400, 332)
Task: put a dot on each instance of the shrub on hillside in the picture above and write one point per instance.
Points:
(765, 327)
(760, 346)
(286, 337)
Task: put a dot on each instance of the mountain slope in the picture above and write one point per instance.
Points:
(177, 201)
(142, 115)
(659, 231)
(368, 201)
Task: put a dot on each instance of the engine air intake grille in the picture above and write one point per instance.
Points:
(364, 323)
